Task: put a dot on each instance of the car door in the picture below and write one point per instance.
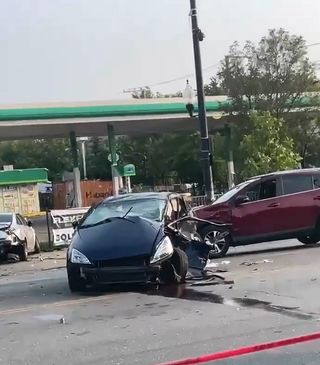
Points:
(171, 211)
(182, 208)
(256, 219)
(298, 204)
(28, 232)
(18, 227)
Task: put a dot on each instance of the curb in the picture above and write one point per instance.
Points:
(35, 215)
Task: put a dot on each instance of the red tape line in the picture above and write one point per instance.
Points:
(244, 350)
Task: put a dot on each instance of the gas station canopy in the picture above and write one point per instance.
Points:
(128, 117)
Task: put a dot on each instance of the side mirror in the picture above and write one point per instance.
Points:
(241, 199)
(29, 224)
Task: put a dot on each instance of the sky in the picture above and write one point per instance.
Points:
(86, 50)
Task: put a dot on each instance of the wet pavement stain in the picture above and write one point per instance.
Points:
(150, 304)
(269, 307)
(183, 292)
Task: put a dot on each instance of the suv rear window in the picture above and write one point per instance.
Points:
(296, 183)
(6, 218)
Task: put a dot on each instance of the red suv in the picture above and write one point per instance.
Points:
(270, 207)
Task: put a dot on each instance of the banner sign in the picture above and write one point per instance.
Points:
(62, 224)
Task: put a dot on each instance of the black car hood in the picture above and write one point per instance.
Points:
(117, 238)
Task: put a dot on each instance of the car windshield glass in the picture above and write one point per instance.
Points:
(5, 219)
(146, 208)
(229, 194)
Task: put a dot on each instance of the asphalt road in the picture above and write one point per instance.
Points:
(275, 295)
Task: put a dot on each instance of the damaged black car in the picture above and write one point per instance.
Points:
(137, 238)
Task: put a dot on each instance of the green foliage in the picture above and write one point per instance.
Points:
(213, 88)
(266, 76)
(98, 166)
(267, 148)
(51, 154)
(304, 129)
(163, 158)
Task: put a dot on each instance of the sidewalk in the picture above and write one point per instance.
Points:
(36, 263)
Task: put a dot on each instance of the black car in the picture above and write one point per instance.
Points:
(134, 238)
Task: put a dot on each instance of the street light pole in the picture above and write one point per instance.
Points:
(83, 140)
(205, 154)
(83, 147)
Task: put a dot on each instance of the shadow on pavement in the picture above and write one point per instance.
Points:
(271, 250)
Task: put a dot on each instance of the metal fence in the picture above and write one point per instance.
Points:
(197, 201)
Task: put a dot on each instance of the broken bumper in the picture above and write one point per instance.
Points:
(117, 275)
(5, 247)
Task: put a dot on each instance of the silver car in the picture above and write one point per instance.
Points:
(17, 236)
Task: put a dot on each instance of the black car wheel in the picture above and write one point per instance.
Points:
(175, 270)
(180, 263)
(309, 240)
(76, 282)
(217, 238)
(23, 251)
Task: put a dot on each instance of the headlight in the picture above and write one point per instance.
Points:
(164, 250)
(79, 258)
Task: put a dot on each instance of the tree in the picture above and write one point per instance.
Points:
(162, 158)
(51, 154)
(98, 166)
(304, 128)
(267, 148)
(213, 88)
(143, 93)
(271, 76)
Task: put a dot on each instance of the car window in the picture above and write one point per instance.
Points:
(296, 183)
(146, 208)
(182, 208)
(173, 209)
(19, 220)
(6, 218)
(264, 190)
(232, 192)
(316, 181)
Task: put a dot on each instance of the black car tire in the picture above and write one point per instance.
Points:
(223, 247)
(179, 261)
(309, 240)
(174, 271)
(76, 282)
(23, 251)
(37, 246)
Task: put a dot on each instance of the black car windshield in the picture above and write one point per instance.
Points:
(5, 218)
(146, 208)
(229, 194)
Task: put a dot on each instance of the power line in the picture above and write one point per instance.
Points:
(180, 77)
(313, 44)
(192, 74)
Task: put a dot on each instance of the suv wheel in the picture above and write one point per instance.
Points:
(309, 240)
(215, 237)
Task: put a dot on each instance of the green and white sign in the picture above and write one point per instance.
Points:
(117, 157)
(129, 170)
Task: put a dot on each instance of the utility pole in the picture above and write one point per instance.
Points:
(229, 153)
(84, 163)
(205, 153)
(83, 140)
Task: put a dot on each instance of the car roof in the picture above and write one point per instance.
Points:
(287, 172)
(149, 195)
